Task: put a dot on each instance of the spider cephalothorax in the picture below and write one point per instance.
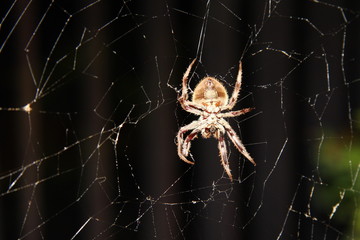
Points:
(211, 102)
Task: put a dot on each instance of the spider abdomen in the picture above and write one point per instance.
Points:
(210, 91)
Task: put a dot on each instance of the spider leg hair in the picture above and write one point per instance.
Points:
(235, 113)
(184, 146)
(223, 155)
(190, 106)
(184, 93)
(188, 139)
(183, 98)
(235, 94)
(236, 141)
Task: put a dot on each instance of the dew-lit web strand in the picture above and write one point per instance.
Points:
(23, 169)
(62, 210)
(289, 210)
(38, 84)
(321, 139)
(28, 208)
(264, 184)
(177, 224)
(37, 27)
(160, 92)
(349, 110)
(319, 115)
(266, 15)
(154, 201)
(153, 222)
(340, 8)
(16, 23)
(201, 42)
(27, 50)
(148, 112)
(30, 202)
(40, 91)
(308, 213)
(172, 29)
(77, 49)
(282, 80)
(42, 83)
(5, 17)
(255, 31)
(327, 67)
(242, 166)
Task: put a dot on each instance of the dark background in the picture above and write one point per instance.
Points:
(89, 117)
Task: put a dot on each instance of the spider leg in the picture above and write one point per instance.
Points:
(184, 146)
(184, 93)
(235, 113)
(183, 98)
(188, 139)
(236, 140)
(223, 155)
(235, 94)
(191, 107)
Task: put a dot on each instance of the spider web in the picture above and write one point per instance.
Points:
(89, 116)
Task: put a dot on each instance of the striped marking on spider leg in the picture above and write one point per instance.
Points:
(244, 110)
(235, 113)
(237, 88)
(233, 99)
(223, 156)
(180, 143)
(239, 145)
(187, 142)
(190, 107)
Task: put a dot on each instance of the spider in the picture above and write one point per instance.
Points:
(211, 102)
